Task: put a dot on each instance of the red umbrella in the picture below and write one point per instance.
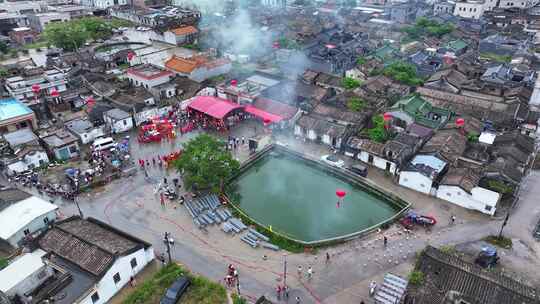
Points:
(54, 93)
(387, 116)
(460, 122)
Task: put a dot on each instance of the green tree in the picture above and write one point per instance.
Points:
(96, 28)
(361, 61)
(351, 83)
(206, 164)
(355, 104)
(403, 72)
(3, 47)
(416, 278)
(378, 133)
(68, 36)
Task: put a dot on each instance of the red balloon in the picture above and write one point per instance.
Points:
(130, 56)
(36, 88)
(54, 93)
(387, 116)
(341, 193)
(460, 122)
(234, 82)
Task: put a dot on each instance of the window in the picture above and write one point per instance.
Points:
(459, 193)
(422, 185)
(95, 297)
(73, 149)
(488, 208)
(405, 179)
(116, 278)
(448, 194)
(125, 122)
(46, 220)
(133, 263)
(26, 232)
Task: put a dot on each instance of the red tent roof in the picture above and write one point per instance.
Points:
(213, 106)
(263, 114)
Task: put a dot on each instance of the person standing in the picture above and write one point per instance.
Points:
(299, 269)
(327, 258)
(243, 140)
(309, 273)
(385, 241)
(453, 219)
(286, 292)
(278, 292)
(297, 300)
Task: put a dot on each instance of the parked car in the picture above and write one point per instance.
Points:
(175, 292)
(333, 160)
(358, 169)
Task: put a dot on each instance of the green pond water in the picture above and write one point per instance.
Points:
(299, 200)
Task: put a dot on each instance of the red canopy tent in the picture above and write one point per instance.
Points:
(213, 106)
(272, 118)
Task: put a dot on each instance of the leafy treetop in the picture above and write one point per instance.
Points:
(355, 104)
(378, 133)
(74, 33)
(403, 72)
(206, 164)
(426, 27)
(350, 83)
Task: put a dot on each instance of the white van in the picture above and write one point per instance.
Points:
(103, 143)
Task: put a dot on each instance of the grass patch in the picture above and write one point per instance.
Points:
(201, 290)
(3, 263)
(495, 57)
(276, 239)
(37, 45)
(236, 299)
(502, 241)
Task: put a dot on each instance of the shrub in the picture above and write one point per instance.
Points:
(351, 83)
(355, 104)
(502, 241)
(236, 299)
(416, 278)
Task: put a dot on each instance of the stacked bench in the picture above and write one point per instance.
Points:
(391, 290)
(206, 211)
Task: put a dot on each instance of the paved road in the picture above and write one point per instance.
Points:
(132, 205)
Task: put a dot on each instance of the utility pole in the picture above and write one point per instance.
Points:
(238, 284)
(284, 269)
(76, 196)
(168, 242)
(504, 224)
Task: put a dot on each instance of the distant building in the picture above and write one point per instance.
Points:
(198, 68)
(274, 3)
(84, 130)
(181, 35)
(23, 35)
(403, 12)
(22, 215)
(20, 87)
(15, 115)
(161, 19)
(74, 11)
(470, 8)
(62, 145)
(118, 121)
(25, 273)
(444, 7)
(27, 151)
(148, 76)
(39, 21)
(421, 173)
(415, 109)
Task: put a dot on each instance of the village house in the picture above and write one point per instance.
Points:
(447, 145)
(23, 35)
(247, 91)
(22, 215)
(415, 109)
(39, 21)
(502, 45)
(448, 278)
(20, 87)
(508, 76)
(15, 115)
(64, 264)
(461, 186)
(181, 35)
(118, 121)
(198, 68)
(27, 152)
(61, 144)
(148, 76)
(329, 125)
(84, 130)
(422, 173)
(298, 94)
(426, 62)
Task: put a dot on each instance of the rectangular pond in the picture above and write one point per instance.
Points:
(298, 199)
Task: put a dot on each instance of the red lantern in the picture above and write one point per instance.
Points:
(341, 193)
(90, 101)
(54, 93)
(387, 116)
(130, 56)
(36, 88)
(266, 121)
(460, 122)
(234, 82)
